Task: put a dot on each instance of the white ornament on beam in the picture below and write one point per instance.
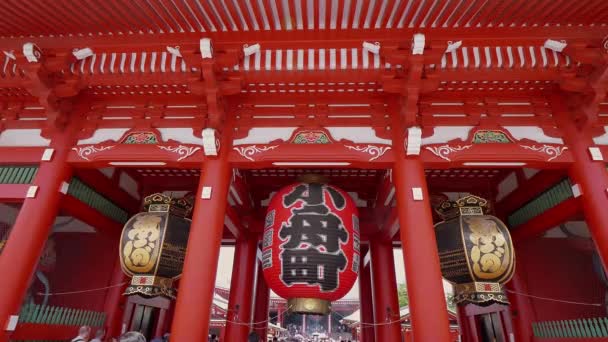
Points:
(552, 151)
(413, 142)
(206, 48)
(181, 150)
(211, 143)
(418, 44)
(31, 52)
(374, 151)
(444, 150)
(249, 151)
(81, 54)
(84, 152)
(596, 154)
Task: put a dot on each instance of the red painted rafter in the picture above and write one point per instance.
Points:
(188, 41)
(193, 15)
(138, 15)
(163, 16)
(526, 12)
(222, 14)
(281, 12)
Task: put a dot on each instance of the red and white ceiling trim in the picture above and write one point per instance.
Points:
(64, 18)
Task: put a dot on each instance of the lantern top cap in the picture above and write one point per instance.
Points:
(162, 203)
(473, 201)
(468, 205)
(313, 178)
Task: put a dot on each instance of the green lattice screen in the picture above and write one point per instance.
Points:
(81, 191)
(97, 201)
(41, 314)
(546, 200)
(17, 174)
(574, 328)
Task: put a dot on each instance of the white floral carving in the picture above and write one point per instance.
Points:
(83, 152)
(443, 150)
(375, 151)
(181, 150)
(552, 151)
(249, 151)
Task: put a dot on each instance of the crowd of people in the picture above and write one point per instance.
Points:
(84, 335)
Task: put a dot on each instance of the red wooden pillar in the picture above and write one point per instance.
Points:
(195, 297)
(429, 315)
(262, 303)
(366, 307)
(280, 313)
(159, 331)
(127, 316)
(468, 326)
(522, 312)
(384, 291)
(240, 303)
(114, 301)
(30, 232)
(590, 175)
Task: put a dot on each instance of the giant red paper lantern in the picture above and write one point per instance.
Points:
(311, 246)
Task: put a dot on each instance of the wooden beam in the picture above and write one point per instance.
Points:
(13, 193)
(529, 189)
(134, 156)
(384, 213)
(294, 155)
(240, 193)
(108, 188)
(21, 155)
(538, 225)
(233, 222)
(390, 225)
(77, 209)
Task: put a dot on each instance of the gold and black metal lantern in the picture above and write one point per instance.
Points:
(153, 245)
(475, 251)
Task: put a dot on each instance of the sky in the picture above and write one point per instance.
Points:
(227, 255)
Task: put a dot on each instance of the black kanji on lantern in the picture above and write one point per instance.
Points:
(312, 194)
(312, 267)
(312, 253)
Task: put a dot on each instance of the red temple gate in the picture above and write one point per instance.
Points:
(104, 103)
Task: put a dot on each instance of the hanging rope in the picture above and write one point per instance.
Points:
(257, 323)
(553, 299)
(376, 324)
(81, 291)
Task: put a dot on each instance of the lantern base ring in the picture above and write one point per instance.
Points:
(312, 306)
